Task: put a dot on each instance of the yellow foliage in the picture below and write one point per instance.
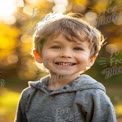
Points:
(26, 44)
(8, 37)
(80, 2)
(118, 109)
(8, 104)
(8, 98)
(100, 6)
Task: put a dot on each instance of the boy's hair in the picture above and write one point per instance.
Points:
(72, 26)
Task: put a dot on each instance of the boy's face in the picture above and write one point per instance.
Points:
(63, 57)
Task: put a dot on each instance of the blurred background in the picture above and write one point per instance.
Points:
(18, 19)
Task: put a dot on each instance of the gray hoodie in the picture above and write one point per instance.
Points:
(84, 100)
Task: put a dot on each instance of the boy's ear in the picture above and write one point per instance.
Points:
(37, 56)
(92, 60)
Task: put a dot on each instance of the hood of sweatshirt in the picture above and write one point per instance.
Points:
(83, 82)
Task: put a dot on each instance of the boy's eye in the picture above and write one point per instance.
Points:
(78, 48)
(56, 47)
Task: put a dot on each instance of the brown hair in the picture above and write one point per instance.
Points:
(73, 28)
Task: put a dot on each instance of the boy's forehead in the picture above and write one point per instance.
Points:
(61, 38)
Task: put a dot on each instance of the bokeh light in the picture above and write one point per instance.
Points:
(7, 9)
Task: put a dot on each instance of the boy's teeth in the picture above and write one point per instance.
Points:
(65, 64)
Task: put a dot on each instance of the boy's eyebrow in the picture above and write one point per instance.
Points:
(54, 41)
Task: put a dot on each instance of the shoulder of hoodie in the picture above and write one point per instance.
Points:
(92, 88)
(30, 90)
(86, 82)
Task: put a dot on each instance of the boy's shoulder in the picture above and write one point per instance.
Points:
(33, 86)
(90, 89)
(86, 82)
(27, 92)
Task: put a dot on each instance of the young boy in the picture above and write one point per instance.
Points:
(67, 46)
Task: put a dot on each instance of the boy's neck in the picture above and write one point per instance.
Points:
(59, 81)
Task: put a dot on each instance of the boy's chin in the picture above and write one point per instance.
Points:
(64, 73)
(59, 74)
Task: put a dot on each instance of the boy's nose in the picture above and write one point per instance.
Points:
(66, 53)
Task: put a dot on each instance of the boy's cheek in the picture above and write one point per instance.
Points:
(47, 61)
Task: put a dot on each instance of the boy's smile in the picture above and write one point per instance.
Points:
(64, 65)
(63, 57)
(64, 62)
